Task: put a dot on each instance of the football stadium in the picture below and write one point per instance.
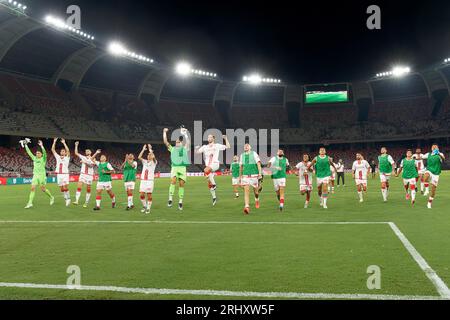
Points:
(128, 175)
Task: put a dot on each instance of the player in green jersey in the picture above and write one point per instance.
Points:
(179, 159)
(433, 171)
(129, 167)
(234, 168)
(279, 165)
(323, 166)
(39, 172)
(410, 175)
(105, 170)
(386, 167)
(250, 174)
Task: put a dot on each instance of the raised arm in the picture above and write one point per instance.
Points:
(187, 143)
(141, 154)
(44, 152)
(54, 147)
(76, 148)
(30, 154)
(95, 155)
(227, 143)
(124, 162)
(166, 142)
(63, 141)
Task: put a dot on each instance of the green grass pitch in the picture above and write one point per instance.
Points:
(227, 255)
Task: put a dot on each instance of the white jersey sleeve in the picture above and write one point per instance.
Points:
(256, 156)
(391, 160)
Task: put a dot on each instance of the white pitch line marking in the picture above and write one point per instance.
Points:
(191, 222)
(438, 283)
(242, 294)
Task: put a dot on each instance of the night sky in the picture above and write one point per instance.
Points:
(297, 41)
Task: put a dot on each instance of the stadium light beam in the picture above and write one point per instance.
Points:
(59, 24)
(14, 5)
(116, 48)
(256, 79)
(183, 68)
(398, 71)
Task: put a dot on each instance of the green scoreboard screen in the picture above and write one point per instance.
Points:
(323, 94)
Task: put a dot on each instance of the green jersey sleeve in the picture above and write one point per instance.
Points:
(30, 154)
(44, 154)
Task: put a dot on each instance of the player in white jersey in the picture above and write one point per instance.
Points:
(305, 176)
(147, 178)
(333, 175)
(86, 173)
(360, 171)
(62, 168)
(211, 153)
(421, 169)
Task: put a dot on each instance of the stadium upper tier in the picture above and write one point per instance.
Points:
(53, 83)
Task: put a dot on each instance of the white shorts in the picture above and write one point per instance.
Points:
(104, 185)
(214, 167)
(306, 187)
(235, 181)
(86, 179)
(361, 181)
(146, 186)
(321, 181)
(63, 179)
(384, 177)
(279, 183)
(250, 181)
(409, 181)
(422, 171)
(434, 178)
(129, 185)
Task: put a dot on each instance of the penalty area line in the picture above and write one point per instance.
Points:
(219, 293)
(437, 282)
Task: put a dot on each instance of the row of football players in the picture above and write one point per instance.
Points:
(246, 170)
(412, 169)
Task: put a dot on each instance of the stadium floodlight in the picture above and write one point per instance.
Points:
(118, 49)
(256, 79)
(183, 68)
(447, 60)
(400, 71)
(14, 5)
(59, 24)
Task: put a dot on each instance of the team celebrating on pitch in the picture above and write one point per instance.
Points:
(247, 173)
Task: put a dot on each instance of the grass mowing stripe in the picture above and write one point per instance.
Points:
(241, 294)
(440, 285)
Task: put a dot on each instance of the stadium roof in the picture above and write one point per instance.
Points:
(30, 47)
